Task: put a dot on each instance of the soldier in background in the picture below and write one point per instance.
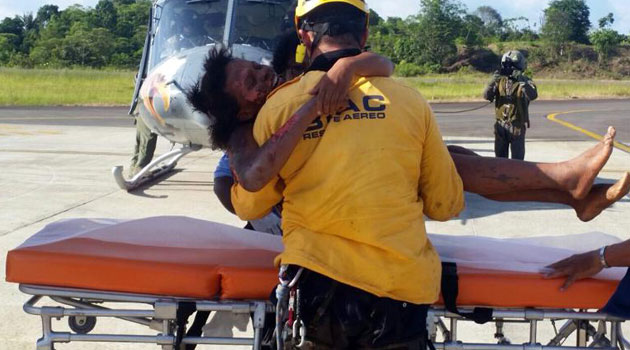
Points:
(146, 141)
(511, 92)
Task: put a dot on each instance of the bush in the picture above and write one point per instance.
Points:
(539, 56)
(605, 41)
(407, 69)
(19, 59)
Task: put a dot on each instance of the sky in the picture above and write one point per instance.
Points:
(532, 9)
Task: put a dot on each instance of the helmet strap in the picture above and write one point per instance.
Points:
(300, 53)
(327, 28)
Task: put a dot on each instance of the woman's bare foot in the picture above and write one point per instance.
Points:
(580, 172)
(601, 197)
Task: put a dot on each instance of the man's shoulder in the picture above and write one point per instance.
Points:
(281, 104)
(395, 88)
(293, 91)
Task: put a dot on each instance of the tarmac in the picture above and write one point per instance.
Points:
(52, 171)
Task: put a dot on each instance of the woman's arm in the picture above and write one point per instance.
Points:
(255, 166)
(588, 264)
(332, 89)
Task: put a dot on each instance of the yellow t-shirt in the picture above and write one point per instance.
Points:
(356, 186)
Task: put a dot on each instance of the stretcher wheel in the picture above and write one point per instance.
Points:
(82, 324)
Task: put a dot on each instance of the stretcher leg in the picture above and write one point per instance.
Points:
(83, 305)
(582, 333)
(498, 335)
(623, 343)
(259, 324)
(533, 332)
(576, 320)
(163, 314)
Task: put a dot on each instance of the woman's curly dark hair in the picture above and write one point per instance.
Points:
(284, 51)
(208, 96)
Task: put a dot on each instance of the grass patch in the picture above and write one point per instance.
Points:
(67, 87)
(469, 87)
(85, 87)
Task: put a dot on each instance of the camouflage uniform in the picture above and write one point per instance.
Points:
(144, 148)
(511, 95)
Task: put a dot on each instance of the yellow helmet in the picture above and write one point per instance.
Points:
(306, 6)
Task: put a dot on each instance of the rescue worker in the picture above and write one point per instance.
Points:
(144, 148)
(511, 92)
(241, 82)
(356, 230)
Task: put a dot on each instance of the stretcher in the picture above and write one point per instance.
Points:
(156, 271)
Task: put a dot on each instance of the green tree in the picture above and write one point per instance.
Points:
(556, 31)
(59, 25)
(605, 41)
(105, 14)
(439, 26)
(87, 47)
(7, 48)
(375, 19)
(575, 14)
(112, 33)
(130, 17)
(516, 29)
(385, 37)
(28, 22)
(606, 21)
(45, 13)
(48, 53)
(471, 31)
(492, 21)
(13, 25)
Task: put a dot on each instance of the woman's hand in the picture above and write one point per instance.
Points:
(575, 267)
(332, 90)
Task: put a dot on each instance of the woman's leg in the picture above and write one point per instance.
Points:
(600, 197)
(488, 176)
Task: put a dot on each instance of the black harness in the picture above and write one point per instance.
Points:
(450, 290)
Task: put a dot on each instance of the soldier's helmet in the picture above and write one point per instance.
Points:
(515, 59)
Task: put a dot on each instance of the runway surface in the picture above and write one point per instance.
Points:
(56, 164)
(593, 115)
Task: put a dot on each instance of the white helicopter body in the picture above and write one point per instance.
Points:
(179, 37)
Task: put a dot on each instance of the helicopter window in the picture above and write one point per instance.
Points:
(260, 22)
(185, 24)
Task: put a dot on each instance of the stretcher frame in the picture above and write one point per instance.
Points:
(162, 318)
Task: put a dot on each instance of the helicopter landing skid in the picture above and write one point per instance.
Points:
(159, 167)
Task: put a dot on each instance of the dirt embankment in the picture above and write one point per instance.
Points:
(575, 62)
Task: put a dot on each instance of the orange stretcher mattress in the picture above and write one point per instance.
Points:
(184, 257)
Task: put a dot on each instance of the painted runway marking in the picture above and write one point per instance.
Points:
(60, 118)
(553, 118)
(8, 130)
(36, 151)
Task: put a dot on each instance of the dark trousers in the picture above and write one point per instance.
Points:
(145, 145)
(505, 138)
(338, 316)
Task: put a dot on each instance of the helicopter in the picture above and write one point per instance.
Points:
(179, 36)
